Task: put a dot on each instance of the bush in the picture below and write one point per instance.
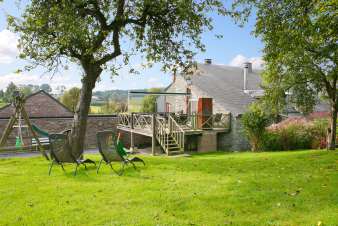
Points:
(254, 123)
(296, 133)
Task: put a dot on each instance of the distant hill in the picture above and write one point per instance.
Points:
(100, 97)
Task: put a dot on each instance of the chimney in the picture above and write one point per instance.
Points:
(247, 70)
(207, 61)
(174, 76)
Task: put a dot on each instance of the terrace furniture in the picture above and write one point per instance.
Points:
(60, 153)
(111, 149)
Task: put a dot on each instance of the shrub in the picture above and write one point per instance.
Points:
(254, 123)
(296, 133)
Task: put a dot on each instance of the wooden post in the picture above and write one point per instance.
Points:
(132, 132)
(8, 130)
(153, 138)
(40, 147)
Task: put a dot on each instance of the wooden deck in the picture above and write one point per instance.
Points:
(148, 131)
(170, 131)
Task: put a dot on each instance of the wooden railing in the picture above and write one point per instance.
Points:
(135, 120)
(162, 134)
(176, 132)
(215, 121)
(124, 119)
(142, 121)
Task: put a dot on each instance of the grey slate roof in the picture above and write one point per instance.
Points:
(225, 85)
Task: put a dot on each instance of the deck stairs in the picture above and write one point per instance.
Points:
(170, 135)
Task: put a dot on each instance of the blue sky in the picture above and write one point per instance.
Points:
(236, 46)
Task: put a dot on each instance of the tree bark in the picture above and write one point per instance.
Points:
(333, 128)
(79, 126)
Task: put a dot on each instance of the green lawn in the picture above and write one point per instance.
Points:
(285, 188)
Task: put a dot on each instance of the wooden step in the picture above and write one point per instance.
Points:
(176, 152)
(173, 148)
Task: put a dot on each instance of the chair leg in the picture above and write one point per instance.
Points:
(89, 161)
(62, 167)
(133, 164)
(98, 168)
(75, 172)
(137, 159)
(50, 168)
(121, 171)
(111, 166)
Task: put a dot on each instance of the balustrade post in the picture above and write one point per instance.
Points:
(132, 132)
(153, 138)
(170, 122)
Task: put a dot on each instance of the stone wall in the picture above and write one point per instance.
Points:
(94, 124)
(235, 140)
(55, 125)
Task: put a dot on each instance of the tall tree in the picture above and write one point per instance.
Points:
(70, 98)
(301, 52)
(45, 87)
(90, 33)
(9, 92)
(26, 90)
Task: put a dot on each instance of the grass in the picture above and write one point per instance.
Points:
(283, 188)
(96, 109)
(2, 104)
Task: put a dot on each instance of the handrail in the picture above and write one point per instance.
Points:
(162, 135)
(176, 132)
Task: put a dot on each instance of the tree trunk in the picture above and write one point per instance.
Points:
(333, 128)
(79, 126)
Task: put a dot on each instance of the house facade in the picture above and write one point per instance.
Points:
(232, 90)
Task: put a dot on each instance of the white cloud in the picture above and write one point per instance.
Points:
(25, 79)
(8, 46)
(239, 60)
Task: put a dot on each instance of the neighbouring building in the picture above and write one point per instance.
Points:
(51, 115)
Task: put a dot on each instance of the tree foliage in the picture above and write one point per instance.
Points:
(9, 92)
(70, 98)
(301, 52)
(149, 102)
(46, 87)
(92, 33)
(254, 122)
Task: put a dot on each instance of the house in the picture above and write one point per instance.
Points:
(232, 90)
(39, 104)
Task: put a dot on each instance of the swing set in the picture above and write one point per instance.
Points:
(16, 121)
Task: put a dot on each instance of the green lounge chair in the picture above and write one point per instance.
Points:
(112, 150)
(60, 153)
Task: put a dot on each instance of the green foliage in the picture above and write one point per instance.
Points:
(296, 135)
(285, 188)
(90, 33)
(9, 92)
(300, 50)
(112, 107)
(46, 88)
(149, 102)
(254, 123)
(85, 30)
(70, 98)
